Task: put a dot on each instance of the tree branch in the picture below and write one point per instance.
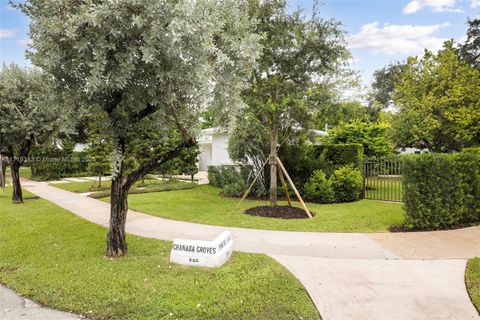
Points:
(115, 99)
(156, 162)
(148, 110)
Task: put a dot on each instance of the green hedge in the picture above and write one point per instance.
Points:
(51, 163)
(340, 155)
(302, 160)
(441, 191)
(471, 149)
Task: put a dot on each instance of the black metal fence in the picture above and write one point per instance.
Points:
(382, 179)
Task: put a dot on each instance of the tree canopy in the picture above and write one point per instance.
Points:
(373, 136)
(138, 59)
(438, 98)
(470, 50)
(32, 112)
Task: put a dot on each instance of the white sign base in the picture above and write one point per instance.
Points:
(203, 253)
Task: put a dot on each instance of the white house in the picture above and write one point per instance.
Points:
(213, 144)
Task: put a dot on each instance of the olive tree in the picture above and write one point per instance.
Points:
(136, 59)
(31, 113)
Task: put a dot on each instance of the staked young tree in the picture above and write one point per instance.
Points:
(32, 112)
(137, 59)
(297, 52)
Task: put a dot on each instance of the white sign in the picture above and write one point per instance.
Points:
(203, 253)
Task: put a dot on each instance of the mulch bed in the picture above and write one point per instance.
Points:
(283, 212)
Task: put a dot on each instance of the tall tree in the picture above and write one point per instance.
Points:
(438, 98)
(383, 85)
(31, 113)
(297, 51)
(373, 136)
(137, 59)
(470, 50)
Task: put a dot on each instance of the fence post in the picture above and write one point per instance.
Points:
(364, 173)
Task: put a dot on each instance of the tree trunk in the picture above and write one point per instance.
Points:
(143, 180)
(99, 180)
(116, 240)
(273, 166)
(17, 196)
(3, 172)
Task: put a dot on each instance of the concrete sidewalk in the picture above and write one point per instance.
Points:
(15, 307)
(348, 275)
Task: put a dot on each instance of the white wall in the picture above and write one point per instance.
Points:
(220, 150)
(205, 157)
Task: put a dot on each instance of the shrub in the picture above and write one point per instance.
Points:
(52, 163)
(318, 188)
(441, 190)
(340, 155)
(229, 175)
(228, 178)
(302, 160)
(471, 149)
(235, 189)
(214, 177)
(347, 184)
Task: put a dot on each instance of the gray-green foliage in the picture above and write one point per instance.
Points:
(140, 61)
(30, 109)
(135, 58)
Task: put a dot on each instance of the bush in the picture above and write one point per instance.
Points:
(229, 175)
(471, 149)
(214, 177)
(347, 184)
(235, 189)
(52, 163)
(318, 188)
(340, 155)
(441, 190)
(302, 160)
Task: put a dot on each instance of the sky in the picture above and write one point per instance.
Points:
(378, 31)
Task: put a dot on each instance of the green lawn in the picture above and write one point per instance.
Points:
(57, 258)
(25, 172)
(390, 189)
(205, 205)
(104, 191)
(472, 279)
(82, 186)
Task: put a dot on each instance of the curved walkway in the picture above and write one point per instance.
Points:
(15, 307)
(348, 275)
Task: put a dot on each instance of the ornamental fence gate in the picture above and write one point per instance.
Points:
(382, 179)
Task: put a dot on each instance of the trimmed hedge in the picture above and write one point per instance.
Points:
(51, 163)
(441, 191)
(340, 155)
(302, 160)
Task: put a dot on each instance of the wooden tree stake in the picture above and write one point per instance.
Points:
(253, 182)
(285, 188)
(294, 188)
